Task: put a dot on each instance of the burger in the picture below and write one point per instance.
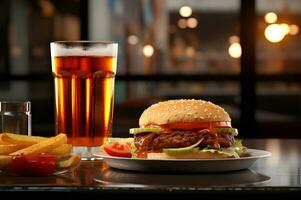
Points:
(186, 129)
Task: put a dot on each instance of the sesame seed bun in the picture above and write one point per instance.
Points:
(183, 111)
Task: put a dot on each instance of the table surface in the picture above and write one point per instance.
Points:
(279, 172)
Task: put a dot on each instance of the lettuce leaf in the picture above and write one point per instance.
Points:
(238, 147)
(121, 140)
(235, 150)
(228, 151)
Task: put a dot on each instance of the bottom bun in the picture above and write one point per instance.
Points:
(198, 155)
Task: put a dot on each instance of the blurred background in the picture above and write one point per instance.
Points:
(243, 55)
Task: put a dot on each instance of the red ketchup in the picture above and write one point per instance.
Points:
(38, 165)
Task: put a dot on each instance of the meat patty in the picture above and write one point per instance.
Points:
(181, 138)
(225, 140)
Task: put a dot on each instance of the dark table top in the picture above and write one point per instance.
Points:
(275, 175)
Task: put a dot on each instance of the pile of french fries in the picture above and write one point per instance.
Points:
(15, 144)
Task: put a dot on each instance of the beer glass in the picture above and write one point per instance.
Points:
(84, 75)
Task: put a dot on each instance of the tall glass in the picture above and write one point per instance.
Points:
(84, 76)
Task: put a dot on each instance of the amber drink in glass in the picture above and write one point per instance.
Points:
(84, 76)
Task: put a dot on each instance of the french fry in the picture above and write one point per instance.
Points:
(61, 150)
(44, 146)
(23, 140)
(4, 160)
(6, 149)
(69, 163)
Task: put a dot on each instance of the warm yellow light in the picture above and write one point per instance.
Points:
(133, 39)
(270, 17)
(148, 50)
(294, 29)
(286, 28)
(235, 50)
(192, 22)
(234, 39)
(185, 11)
(182, 23)
(274, 33)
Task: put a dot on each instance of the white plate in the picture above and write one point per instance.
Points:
(184, 165)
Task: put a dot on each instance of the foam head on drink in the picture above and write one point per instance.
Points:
(84, 90)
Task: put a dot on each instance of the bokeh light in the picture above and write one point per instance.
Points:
(192, 22)
(294, 29)
(190, 51)
(274, 33)
(234, 39)
(182, 23)
(148, 50)
(286, 28)
(235, 50)
(270, 17)
(185, 11)
(133, 39)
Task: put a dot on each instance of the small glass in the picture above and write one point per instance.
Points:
(15, 117)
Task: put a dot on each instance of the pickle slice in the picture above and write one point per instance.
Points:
(231, 131)
(189, 149)
(144, 130)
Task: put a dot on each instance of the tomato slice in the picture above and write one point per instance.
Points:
(118, 149)
(195, 125)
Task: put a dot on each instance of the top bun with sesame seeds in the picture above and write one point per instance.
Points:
(183, 111)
